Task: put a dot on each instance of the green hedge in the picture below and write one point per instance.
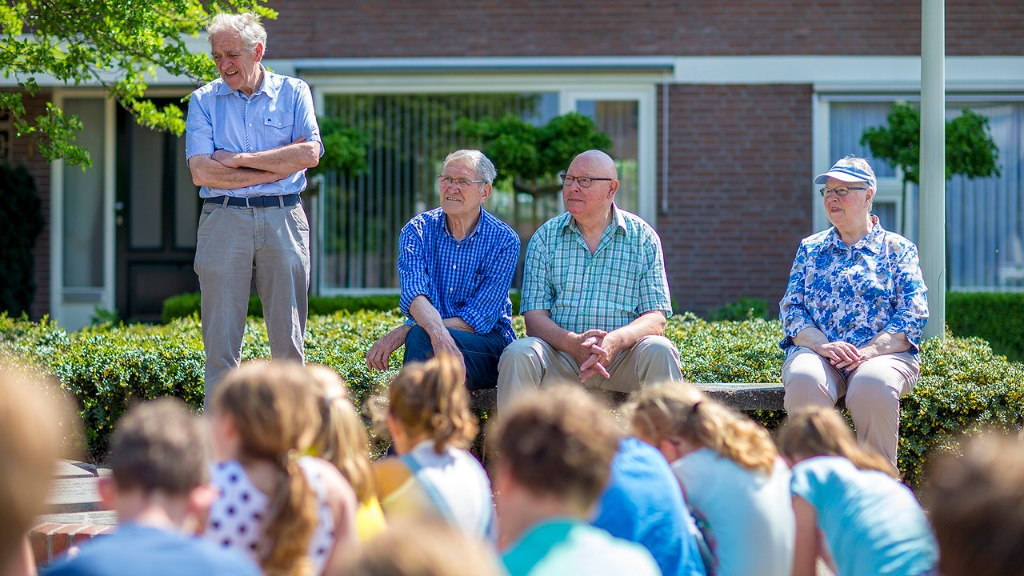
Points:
(185, 305)
(997, 317)
(964, 385)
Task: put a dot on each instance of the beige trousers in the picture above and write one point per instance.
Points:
(233, 244)
(872, 393)
(529, 363)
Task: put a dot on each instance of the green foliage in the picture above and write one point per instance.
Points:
(743, 309)
(21, 221)
(533, 155)
(993, 316)
(964, 386)
(970, 150)
(113, 43)
(344, 147)
(187, 304)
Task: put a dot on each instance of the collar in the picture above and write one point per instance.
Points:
(873, 241)
(479, 224)
(617, 220)
(271, 85)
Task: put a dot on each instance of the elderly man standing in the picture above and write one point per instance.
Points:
(595, 297)
(455, 264)
(250, 136)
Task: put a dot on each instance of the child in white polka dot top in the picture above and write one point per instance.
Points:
(292, 515)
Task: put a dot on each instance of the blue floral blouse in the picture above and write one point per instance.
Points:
(852, 293)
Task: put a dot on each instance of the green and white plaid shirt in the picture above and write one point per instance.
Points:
(624, 278)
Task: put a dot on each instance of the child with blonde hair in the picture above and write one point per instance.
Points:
(431, 426)
(292, 514)
(730, 472)
(847, 497)
(342, 441)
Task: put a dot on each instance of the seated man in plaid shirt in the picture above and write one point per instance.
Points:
(455, 264)
(595, 297)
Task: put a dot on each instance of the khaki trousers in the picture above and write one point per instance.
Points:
(872, 393)
(233, 243)
(529, 363)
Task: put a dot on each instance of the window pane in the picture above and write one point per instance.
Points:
(410, 136)
(186, 202)
(83, 200)
(619, 119)
(985, 216)
(886, 212)
(145, 197)
(848, 121)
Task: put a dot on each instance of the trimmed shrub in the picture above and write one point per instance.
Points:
(185, 305)
(964, 386)
(742, 309)
(997, 317)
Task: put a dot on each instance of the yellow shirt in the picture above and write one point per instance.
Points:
(369, 520)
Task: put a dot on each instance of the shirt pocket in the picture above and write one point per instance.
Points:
(277, 128)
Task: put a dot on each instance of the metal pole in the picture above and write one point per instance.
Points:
(932, 207)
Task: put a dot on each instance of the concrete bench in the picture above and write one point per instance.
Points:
(739, 396)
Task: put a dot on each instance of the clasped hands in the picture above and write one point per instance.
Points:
(842, 355)
(594, 350)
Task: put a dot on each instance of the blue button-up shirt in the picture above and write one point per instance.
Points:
(852, 293)
(468, 279)
(277, 114)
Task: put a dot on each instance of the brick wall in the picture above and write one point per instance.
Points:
(25, 151)
(407, 28)
(740, 160)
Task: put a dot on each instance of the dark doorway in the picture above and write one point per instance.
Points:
(157, 213)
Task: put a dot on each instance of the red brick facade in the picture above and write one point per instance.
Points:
(738, 193)
(415, 28)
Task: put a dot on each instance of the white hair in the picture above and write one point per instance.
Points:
(484, 167)
(247, 25)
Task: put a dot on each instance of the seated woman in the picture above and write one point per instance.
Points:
(853, 312)
(431, 426)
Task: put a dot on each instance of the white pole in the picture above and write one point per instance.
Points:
(932, 207)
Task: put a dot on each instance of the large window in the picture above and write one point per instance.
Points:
(984, 217)
(411, 133)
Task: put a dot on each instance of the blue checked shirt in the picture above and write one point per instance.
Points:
(277, 114)
(853, 293)
(624, 278)
(468, 279)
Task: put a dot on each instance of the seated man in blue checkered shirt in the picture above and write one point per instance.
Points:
(595, 296)
(455, 264)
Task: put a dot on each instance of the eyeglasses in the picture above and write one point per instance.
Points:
(841, 191)
(583, 181)
(460, 183)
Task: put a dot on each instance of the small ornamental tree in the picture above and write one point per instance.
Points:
(21, 221)
(970, 150)
(533, 155)
(117, 44)
(344, 148)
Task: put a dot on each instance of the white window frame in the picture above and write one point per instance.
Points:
(73, 315)
(890, 190)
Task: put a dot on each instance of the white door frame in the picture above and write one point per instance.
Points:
(70, 314)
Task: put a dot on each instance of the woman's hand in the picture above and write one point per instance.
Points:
(840, 354)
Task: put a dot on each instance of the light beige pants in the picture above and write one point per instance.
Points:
(233, 244)
(529, 363)
(872, 393)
